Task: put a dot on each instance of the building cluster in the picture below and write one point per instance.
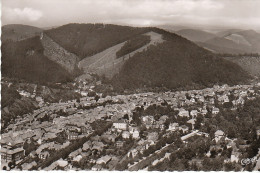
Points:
(54, 126)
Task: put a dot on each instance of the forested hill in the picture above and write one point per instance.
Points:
(176, 63)
(25, 60)
(89, 39)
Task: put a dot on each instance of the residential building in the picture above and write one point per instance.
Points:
(104, 160)
(120, 125)
(219, 134)
(173, 126)
(183, 113)
(11, 154)
(215, 110)
(184, 128)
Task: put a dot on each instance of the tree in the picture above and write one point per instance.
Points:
(126, 117)
(97, 98)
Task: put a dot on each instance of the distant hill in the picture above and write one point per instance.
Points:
(26, 60)
(229, 44)
(161, 59)
(176, 63)
(227, 32)
(195, 35)
(232, 41)
(16, 32)
(251, 64)
(89, 39)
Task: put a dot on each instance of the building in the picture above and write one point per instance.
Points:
(103, 160)
(218, 135)
(153, 136)
(12, 154)
(194, 113)
(119, 144)
(258, 132)
(215, 110)
(184, 128)
(192, 122)
(126, 134)
(183, 113)
(120, 125)
(173, 127)
(132, 153)
(72, 135)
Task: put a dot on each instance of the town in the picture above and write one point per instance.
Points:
(134, 132)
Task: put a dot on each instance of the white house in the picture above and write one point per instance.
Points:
(215, 110)
(183, 113)
(120, 125)
(194, 113)
(173, 126)
(126, 134)
(218, 135)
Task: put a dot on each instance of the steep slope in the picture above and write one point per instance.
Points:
(195, 35)
(16, 32)
(253, 38)
(58, 54)
(26, 60)
(176, 63)
(107, 63)
(89, 39)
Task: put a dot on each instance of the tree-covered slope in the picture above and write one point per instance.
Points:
(176, 63)
(89, 39)
(25, 60)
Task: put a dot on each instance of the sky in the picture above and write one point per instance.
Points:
(47, 13)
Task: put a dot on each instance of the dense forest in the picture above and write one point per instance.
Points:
(89, 39)
(25, 60)
(176, 63)
(133, 44)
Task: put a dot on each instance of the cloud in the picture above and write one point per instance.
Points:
(136, 12)
(25, 14)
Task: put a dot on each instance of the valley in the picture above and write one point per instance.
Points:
(111, 97)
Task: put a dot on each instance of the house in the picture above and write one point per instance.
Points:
(218, 135)
(192, 122)
(120, 125)
(119, 144)
(77, 158)
(27, 166)
(258, 132)
(86, 146)
(62, 163)
(183, 113)
(135, 132)
(215, 110)
(234, 156)
(148, 120)
(96, 168)
(204, 111)
(194, 113)
(132, 153)
(11, 154)
(44, 155)
(173, 127)
(152, 136)
(97, 146)
(104, 160)
(72, 135)
(126, 134)
(184, 128)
